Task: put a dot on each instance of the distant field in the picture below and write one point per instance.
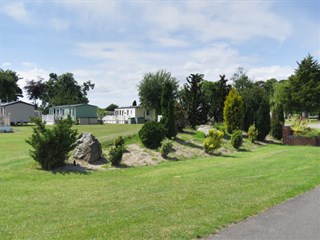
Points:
(173, 200)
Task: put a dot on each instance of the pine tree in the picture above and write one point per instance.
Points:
(194, 100)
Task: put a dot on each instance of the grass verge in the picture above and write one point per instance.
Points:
(173, 200)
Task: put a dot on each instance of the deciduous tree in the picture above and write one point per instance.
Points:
(9, 89)
(150, 89)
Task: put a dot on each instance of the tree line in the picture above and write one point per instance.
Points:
(200, 100)
(196, 102)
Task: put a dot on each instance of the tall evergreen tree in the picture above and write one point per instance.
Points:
(193, 100)
(277, 121)
(304, 86)
(262, 118)
(167, 105)
(233, 111)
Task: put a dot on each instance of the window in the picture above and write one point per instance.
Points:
(127, 112)
(148, 112)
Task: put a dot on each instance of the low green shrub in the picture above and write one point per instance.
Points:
(118, 141)
(151, 134)
(252, 133)
(213, 141)
(236, 139)
(115, 155)
(166, 147)
(51, 146)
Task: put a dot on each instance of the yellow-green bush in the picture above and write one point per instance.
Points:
(213, 141)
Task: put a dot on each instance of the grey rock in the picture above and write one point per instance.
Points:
(205, 129)
(88, 148)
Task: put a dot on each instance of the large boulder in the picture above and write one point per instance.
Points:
(88, 148)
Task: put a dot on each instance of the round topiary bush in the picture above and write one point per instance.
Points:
(236, 139)
(151, 134)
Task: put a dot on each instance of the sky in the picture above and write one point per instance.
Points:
(114, 43)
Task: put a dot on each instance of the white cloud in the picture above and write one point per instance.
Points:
(30, 71)
(16, 10)
(59, 24)
(208, 21)
(267, 72)
(5, 65)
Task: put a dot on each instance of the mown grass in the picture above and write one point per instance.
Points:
(173, 200)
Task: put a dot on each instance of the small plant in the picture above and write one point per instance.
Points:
(115, 155)
(213, 141)
(252, 133)
(118, 142)
(236, 139)
(300, 126)
(166, 147)
(151, 134)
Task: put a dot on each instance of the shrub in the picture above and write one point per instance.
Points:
(115, 155)
(118, 142)
(233, 112)
(51, 146)
(300, 126)
(213, 141)
(181, 117)
(166, 147)
(151, 134)
(236, 139)
(252, 133)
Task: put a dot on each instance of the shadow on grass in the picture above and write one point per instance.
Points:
(228, 156)
(188, 132)
(172, 158)
(83, 168)
(187, 144)
(244, 150)
(71, 169)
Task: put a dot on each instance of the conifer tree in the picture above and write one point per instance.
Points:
(233, 112)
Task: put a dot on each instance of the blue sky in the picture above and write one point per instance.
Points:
(114, 43)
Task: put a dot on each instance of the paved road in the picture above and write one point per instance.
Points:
(296, 219)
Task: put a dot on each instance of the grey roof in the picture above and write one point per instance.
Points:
(15, 102)
(73, 105)
(128, 107)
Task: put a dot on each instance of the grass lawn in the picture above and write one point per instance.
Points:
(173, 200)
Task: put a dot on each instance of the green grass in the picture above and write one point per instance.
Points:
(173, 200)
